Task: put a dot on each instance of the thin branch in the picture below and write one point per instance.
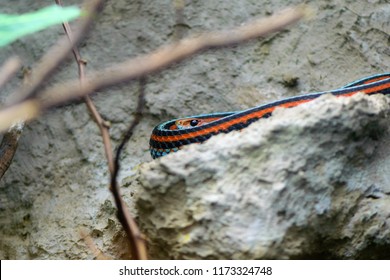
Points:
(9, 69)
(151, 63)
(137, 245)
(101, 123)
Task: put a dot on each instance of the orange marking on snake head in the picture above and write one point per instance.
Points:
(193, 122)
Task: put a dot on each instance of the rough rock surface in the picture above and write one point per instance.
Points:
(309, 182)
(58, 180)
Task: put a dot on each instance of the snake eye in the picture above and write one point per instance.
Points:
(194, 122)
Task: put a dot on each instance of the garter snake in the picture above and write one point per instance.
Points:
(171, 136)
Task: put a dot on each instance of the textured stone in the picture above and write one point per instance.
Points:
(309, 182)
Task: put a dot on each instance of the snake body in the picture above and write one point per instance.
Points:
(171, 136)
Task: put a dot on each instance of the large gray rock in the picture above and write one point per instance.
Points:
(309, 182)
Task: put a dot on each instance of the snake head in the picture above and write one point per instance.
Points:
(191, 122)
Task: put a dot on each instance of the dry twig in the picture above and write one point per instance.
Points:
(101, 123)
(137, 244)
(143, 65)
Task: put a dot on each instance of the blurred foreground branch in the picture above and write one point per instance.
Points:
(131, 69)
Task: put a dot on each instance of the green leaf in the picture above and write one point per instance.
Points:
(13, 27)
